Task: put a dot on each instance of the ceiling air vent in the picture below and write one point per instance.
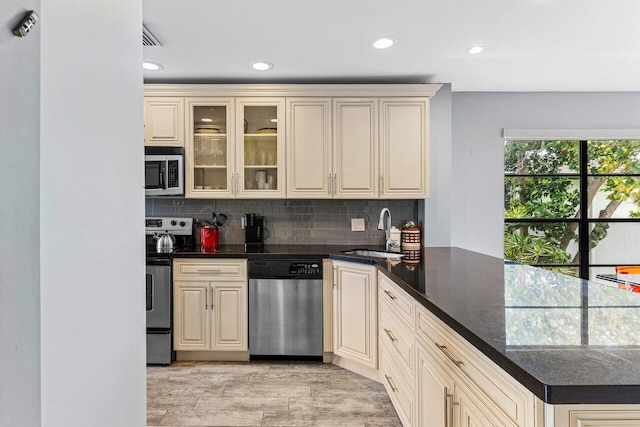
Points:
(149, 39)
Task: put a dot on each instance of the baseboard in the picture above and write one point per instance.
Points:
(350, 365)
(212, 356)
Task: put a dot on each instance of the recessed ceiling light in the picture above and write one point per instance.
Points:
(151, 66)
(274, 120)
(261, 65)
(206, 119)
(475, 50)
(383, 42)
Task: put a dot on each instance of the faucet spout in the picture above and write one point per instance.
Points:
(385, 226)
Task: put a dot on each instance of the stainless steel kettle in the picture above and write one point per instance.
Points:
(166, 242)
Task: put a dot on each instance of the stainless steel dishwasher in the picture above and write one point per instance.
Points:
(285, 308)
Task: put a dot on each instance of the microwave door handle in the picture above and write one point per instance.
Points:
(162, 173)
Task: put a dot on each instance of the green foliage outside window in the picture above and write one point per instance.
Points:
(557, 197)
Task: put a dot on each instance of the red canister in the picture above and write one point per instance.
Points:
(209, 238)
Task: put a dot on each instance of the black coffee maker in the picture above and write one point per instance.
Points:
(253, 231)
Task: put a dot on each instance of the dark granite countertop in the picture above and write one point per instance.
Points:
(269, 251)
(567, 340)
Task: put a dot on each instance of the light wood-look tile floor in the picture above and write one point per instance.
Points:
(264, 394)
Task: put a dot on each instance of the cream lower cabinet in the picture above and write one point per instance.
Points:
(355, 336)
(396, 337)
(434, 388)
(210, 305)
(593, 416)
(475, 392)
(435, 378)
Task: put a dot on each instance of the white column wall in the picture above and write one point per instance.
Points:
(92, 212)
(19, 219)
(437, 221)
(478, 148)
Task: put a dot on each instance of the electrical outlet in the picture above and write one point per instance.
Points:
(357, 224)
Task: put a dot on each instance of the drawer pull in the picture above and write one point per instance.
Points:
(206, 299)
(391, 384)
(393, 338)
(392, 296)
(208, 271)
(443, 348)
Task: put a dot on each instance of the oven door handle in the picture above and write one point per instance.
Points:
(162, 262)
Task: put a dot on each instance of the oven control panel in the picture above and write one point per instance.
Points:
(178, 226)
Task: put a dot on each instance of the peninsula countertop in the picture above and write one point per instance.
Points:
(565, 339)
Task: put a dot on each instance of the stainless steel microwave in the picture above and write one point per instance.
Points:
(164, 171)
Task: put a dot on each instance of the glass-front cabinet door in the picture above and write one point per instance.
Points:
(260, 153)
(209, 149)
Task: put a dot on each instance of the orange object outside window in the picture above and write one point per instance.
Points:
(628, 269)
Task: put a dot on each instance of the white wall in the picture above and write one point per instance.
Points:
(478, 120)
(437, 224)
(91, 214)
(19, 220)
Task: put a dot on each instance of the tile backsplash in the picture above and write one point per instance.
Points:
(302, 222)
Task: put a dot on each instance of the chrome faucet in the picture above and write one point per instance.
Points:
(386, 227)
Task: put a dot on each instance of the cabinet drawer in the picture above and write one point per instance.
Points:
(497, 386)
(397, 298)
(400, 393)
(213, 269)
(398, 337)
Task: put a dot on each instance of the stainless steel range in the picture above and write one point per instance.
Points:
(159, 284)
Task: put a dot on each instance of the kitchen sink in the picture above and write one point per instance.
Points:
(374, 253)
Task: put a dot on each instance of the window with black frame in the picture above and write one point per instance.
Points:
(572, 206)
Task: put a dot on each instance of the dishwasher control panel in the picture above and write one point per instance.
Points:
(285, 269)
(305, 268)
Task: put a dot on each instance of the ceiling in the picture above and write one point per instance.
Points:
(530, 45)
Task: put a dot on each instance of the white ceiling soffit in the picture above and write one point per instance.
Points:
(568, 134)
(530, 45)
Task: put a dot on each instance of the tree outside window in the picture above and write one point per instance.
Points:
(572, 206)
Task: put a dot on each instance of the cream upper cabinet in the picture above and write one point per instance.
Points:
(164, 121)
(404, 143)
(355, 335)
(260, 157)
(210, 305)
(332, 148)
(355, 148)
(296, 141)
(309, 171)
(210, 148)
